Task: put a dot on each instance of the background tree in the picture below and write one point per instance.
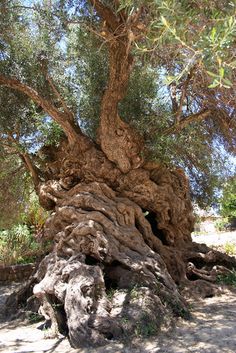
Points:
(14, 190)
(118, 221)
(228, 199)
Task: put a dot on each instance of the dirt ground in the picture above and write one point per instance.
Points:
(216, 239)
(212, 329)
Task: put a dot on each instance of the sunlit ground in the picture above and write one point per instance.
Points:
(215, 239)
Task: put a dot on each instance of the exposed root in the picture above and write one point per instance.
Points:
(210, 275)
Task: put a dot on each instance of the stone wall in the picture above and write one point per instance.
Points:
(16, 272)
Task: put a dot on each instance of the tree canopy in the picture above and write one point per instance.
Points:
(181, 93)
(228, 199)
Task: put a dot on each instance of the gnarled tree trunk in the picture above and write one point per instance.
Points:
(122, 245)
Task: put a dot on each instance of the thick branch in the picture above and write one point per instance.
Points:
(58, 95)
(177, 107)
(185, 122)
(34, 171)
(106, 14)
(183, 95)
(120, 59)
(118, 141)
(64, 119)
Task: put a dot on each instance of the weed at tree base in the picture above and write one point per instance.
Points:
(229, 278)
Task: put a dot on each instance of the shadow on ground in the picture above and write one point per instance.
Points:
(211, 329)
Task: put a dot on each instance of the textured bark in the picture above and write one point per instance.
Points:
(120, 143)
(121, 233)
(118, 140)
(101, 242)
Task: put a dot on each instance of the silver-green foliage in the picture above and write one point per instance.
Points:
(61, 39)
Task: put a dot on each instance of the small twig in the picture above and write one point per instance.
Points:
(183, 95)
(186, 121)
(58, 95)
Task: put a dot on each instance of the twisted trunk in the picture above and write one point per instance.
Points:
(122, 246)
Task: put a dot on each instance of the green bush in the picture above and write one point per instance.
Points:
(221, 224)
(228, 199)
(19, 245)
(230, 248)
(34, 215)
(229, 278)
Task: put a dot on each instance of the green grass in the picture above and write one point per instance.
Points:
(229, 278)
(145, 327)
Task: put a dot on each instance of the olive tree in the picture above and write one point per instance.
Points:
(88, 116)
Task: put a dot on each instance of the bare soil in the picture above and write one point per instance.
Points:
(211, 329)
(216, 239)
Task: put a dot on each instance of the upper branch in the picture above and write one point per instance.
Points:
(185, 122)
(184, 94)
(34, 171)
(112, 21)
(64, 118)
(177, 107)
(120, 143)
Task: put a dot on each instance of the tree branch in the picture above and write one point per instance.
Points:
(14, 145)
(185, 122)
(177, 107)
(184, 94)
(64, 119)
(58, 95)
(106, 14)
(21, 7)
(34, 171)
(173, 97)
(120, 143)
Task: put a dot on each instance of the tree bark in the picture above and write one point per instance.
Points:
(120, 143)
(118, 238)
(122, 247)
